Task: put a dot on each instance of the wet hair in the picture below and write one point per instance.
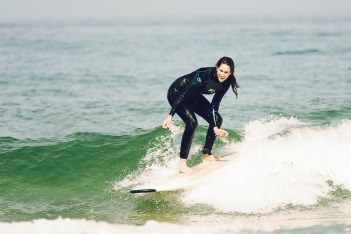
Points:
(228, 61)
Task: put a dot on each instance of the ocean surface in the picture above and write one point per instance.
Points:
(81, 106)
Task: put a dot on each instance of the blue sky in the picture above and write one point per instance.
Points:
(71, 9)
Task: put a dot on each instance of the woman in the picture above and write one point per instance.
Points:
(185, 96)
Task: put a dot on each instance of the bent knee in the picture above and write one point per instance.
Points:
(191, 124)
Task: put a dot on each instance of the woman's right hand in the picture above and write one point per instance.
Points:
(220, 132)
(167, 121)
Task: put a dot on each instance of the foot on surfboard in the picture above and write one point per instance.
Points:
(210, 158)
(183, 168)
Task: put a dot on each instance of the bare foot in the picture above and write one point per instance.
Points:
(183, 168)
(208, 158)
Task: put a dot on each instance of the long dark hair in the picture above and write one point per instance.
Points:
(228, 61)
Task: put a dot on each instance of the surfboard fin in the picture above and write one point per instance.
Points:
(143, 191)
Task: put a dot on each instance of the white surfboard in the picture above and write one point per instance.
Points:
(181, 181)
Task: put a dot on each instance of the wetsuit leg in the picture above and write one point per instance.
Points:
(186, 113)
(202, 107)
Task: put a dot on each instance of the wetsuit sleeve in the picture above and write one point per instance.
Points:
(194, 86)
(215, 106)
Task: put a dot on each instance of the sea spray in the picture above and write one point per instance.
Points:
(273, 170)
(160, 160)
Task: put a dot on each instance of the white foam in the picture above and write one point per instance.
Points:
(161, 160)
(269, 223)
(273, 170)
(70, 226)
(82, 226)
(279, 162)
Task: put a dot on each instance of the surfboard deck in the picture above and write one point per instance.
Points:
(182, 181)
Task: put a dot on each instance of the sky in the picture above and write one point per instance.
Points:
(78, 9)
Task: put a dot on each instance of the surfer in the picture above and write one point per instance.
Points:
(185, 96)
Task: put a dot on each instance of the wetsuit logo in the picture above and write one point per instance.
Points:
(196, 81)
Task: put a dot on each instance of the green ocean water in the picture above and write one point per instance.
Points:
(74, 177)
(81, 105)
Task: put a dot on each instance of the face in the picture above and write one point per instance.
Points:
(223, 72)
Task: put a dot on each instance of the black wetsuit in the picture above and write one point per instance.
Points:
(185, 97)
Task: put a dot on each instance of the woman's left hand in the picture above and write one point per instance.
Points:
(220, 132)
